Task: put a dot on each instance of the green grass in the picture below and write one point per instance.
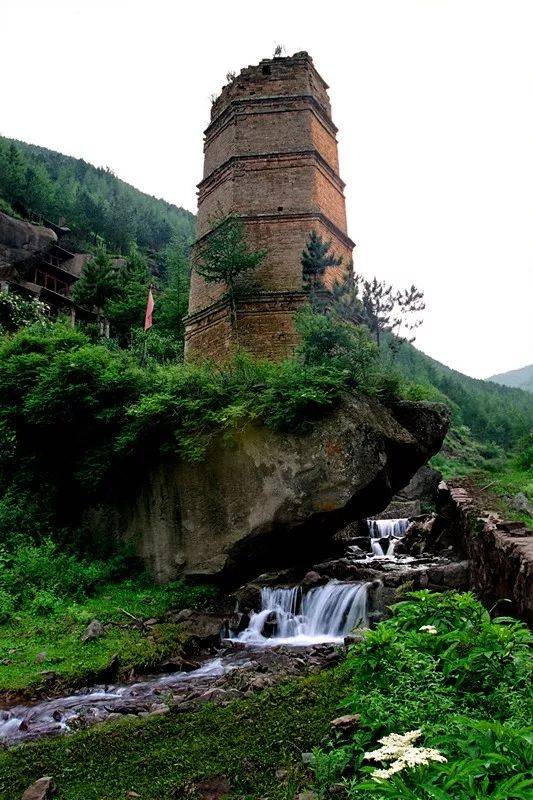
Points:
(247, 741)
(500, 475)
(74, 662)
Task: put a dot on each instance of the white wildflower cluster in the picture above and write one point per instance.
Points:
(428, 629)
(399, 750)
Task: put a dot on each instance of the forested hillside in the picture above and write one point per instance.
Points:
(93, 201)
(519, 378)
(98, 205)
(495, 414)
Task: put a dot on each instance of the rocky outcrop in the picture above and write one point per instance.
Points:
(500, 552)
(20, 240)
(271, 499)
(43, 789)
(419, 494)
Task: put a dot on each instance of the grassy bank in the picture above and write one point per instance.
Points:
(45, 650)
(247, 741)
(497, 481)
(463, 681)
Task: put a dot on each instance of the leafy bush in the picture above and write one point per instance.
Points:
(42, 573)
(346, 351)
(438, 655)
(328, 767)
(491, 762)
(15, 311)
(7, 606)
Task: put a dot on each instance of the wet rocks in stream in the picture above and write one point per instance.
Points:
(237, 672)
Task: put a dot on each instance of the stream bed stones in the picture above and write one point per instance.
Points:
(237, 672)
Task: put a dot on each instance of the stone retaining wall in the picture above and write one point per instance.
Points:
(500, 552)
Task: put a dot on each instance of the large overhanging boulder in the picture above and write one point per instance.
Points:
(273, 499)
(19, 241)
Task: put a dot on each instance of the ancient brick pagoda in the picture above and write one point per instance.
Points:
(270, 158)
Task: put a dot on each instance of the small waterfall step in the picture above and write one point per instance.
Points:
(389, 529)
(323, 614)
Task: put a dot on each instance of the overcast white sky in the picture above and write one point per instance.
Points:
(433, 100)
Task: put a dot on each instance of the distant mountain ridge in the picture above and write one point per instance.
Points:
(494, 412)
(517, 378)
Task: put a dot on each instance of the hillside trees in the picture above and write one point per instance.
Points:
(493, 413)
(92, 200)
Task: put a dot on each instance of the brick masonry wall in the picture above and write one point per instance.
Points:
(271, 158)
(265, 327)
(270, 127)
(325, 142)
(295, 75)
(285, 238)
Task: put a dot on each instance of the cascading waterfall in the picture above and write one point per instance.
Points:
(323, 614)
(391, 529)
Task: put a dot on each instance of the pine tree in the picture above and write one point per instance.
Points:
(225, 257)
(316, 258)
(98, 282)
(388, 311)
(125, 308)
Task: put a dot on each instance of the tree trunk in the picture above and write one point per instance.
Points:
(233, 310)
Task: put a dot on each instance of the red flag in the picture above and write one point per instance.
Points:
(149, 310)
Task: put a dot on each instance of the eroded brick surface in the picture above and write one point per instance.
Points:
(270, 157)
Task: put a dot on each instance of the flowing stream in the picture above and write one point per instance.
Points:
(59, 715)
(316, 618)
(323, 614)
(391, 529)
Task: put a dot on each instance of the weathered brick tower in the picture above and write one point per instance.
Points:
(270, 158)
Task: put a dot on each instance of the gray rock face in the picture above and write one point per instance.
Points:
(94, 630)
(423, 485)
(43, 789)
(19, 240)
(422, 488)
(275, 499)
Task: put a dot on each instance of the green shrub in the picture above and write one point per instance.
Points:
(16, 312)
(447, 611)
(328, 767)
(437, 656)
(44, 603)
(43, 571)
(7, 606)
(345, 350)
(524, 458)
(486, 761)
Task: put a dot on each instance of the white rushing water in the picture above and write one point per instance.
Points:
(323, 614)
(55, 716)
(391, 529)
